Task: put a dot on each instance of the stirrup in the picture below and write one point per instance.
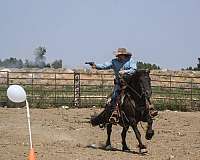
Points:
(114, 119)
(153, 113)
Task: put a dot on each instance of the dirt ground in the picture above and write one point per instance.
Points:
(66, 135)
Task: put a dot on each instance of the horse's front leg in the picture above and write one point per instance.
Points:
(142, 147)
(150, 131)
(123, 134)
(108, 143)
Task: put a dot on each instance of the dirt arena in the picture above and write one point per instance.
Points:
(66, 134)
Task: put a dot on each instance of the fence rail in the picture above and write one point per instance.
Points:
(52, 89)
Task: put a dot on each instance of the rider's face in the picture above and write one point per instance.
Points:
(121, 57)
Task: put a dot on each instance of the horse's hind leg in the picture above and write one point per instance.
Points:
(123, 134)
(108, 143)
(142, 147)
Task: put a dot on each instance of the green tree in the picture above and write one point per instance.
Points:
(57, 64)
(142, 65)
(20, 63)
(28, 64)
(195, 68)
(40, 58)
(12, 63)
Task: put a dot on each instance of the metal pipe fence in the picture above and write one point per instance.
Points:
(55, 89)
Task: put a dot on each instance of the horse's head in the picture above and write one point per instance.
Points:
(145, 82)
(140, 81)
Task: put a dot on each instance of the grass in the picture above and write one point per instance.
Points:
(51, 95)
(48, 96)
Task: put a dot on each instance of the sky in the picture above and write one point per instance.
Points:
(164, 32)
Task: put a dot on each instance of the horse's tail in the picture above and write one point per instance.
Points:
(99, 119)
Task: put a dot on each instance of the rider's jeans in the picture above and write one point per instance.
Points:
(116, 93)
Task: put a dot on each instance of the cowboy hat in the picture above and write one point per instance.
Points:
(122, 51)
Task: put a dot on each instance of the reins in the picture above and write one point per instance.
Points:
(132, 89)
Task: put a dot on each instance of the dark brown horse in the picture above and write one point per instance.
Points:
(133, 109)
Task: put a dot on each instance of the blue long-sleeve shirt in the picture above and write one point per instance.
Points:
(128, 65)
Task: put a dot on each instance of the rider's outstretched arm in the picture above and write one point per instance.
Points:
(105, 66)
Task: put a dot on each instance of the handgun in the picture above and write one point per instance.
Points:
(90, 63)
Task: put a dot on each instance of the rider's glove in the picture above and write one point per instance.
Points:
(122, 72)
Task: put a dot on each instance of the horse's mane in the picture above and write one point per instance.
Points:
(139, 83)
(138, 73)
(134, 78)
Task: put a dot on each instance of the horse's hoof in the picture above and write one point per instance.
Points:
(108, 147)
(143, 151)
(125, 149)
(149, 135)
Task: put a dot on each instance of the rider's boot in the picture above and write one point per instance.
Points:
(114, 118)
(153, 111)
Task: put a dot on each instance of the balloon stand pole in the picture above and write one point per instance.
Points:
(32, 152)
(29, 124)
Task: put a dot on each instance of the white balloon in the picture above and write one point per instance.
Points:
(16, 93)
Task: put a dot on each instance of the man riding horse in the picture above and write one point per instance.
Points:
(122, 65)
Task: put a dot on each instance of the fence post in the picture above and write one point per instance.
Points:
(55, 102)
(32, 88)
(7, 79)
(7, 87)
(191, 97)
(102, 88)
(77, 90)
(170, 91)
